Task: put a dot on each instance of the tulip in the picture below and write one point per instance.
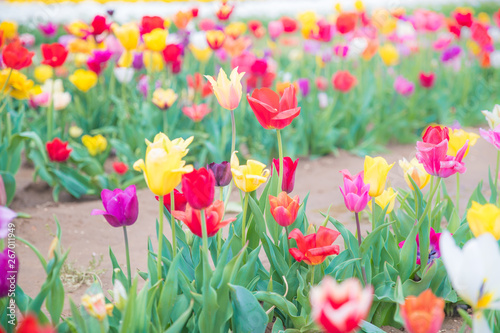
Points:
(150, 23)
(121, 207)
(289, 168)
(201, 55)
(83, 79)
(97, 61)
(434, 247)
(250, 176)
(474, 274)
(275, 29)
(340, 308)
(314, 248)
(180, 201)
(271, 111)
(451, 53)
(199, 188)
(123, 74)
(344, 81)
(213, 217)
(128, 35)
(16, 57)
(423, 314)
(30, 324)
(196, 112)
(75, 131)
(120, 168)
(375, 174)
(484, 219)
(164, 98)
(492, 117)
(156, 40)
(416, 171)
(57, 150)
(321, 83)
(172, 52)
(346, 22)
(18, 85)
(54, 54)
(235, 29)
(6, 217)
(284, 209)
(7, 265)
(437, 163)
(164, 167)
(403, 86)
(386, 199)
(492, 136)
(95, 144)
(355, 193)
(436, 134)
(153, 61)
(42, 73)
(427, 79)
(227, 91)
(224, 12)
(458, 138)
(96, 306)
(222, 173)
(289, 24)
(215, 39)
(49, 29)
(99, 26)
(304, 86)
(389, 54)
(181, 19)
(119, 295)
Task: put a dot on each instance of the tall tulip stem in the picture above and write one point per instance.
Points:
(288, 241)
(281, 171)
(173, 224)
(160, 239)
(50, 113)
(204, 233)
(358, 228)
(244, 220)
(127, 253)
(312, 275)
(233, 133)
(457, 197)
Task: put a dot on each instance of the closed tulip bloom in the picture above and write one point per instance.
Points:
(30, 324)
(386, 199)
(196, 112)
(484, 219)
(54, 54)
(95, 144)
(15, 56)
(164, 167)
(340, 308)
(120, 168)
(153, 61)
(123, 74)
(275, 29)
(121, 207)
(227, 91)
(271, 111)
(437, 163)
(213, 217)
(215, 39)
(150, 23)
(416, 171)
(42, 73)
(427, 79)
(344, 81)
(289, 168)
(164, 98)
(222, 172)
(314, 248)
(96, 306)
(250, 176)
(49, 29)
(284, 209)
(355, 193)
(57, 150)
(180, 201)
(224, 12)
(423, 314)
(128, 36)
(156, 40)
(7, 264)
(389, 54)
(83, 79)
(199, 188)
(458, 138)
(436, 134)
(201, 54)
(375, 174)
(493, 117)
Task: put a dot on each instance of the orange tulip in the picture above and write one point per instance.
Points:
(423, 314)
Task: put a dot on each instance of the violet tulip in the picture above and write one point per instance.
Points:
(199, 187)
(121, 206)
(289, 168)
(355, 193)
(8, 271)
(48, 29)
(222, 173)
(6, 217)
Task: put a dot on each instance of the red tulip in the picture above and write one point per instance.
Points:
(199, 85)
(196, 112)
(289, 168)
(436, 134)
(199, 187)
(54, 54)
(120, 168)
(180, 201)
(344, 81)
(427, 80)
(15, 56)
(57, 150)
(463, 19)
(423, 314)
(194, 11)
(284, 209)
(271, 111)
(289, 24)
(496, 18)
(99, 25)
(346, 22)
(172, 52)
(321, 83)
(224, 12)
(314, 248)
(213, 216)
(149, 23)
(30, 324)
(481, 36)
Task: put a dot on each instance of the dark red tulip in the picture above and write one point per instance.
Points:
(222, 173)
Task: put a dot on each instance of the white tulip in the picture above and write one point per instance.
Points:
(123, 74)
(493, 117)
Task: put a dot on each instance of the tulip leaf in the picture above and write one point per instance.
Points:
(248, 314)
(246, 274)
(71, 183)
(373, 238)
(278, 262)
(367, 327)
(258, 217)
(117, 270)
(55, 301)
(10, 185)
(77, 317)
(168, 293)
(181, 320)
(283, 305)
(278, 326)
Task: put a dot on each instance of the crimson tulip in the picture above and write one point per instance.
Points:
(289, 24)
(344, 81)
(15, 56)
(284, 209)
(99, 25)
(149, 23)
(271, 111)
(427, 80)
(57, 150)
(171, 53)
(180, 201)
(289, 168)
(314, 248)
(213, 217)
(54, 54)
(199, 188)
(464, 19)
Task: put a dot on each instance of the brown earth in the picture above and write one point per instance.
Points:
(90, 237)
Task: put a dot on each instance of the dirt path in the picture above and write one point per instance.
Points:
(89, 236)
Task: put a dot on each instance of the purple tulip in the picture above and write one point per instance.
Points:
(303, 86)
(222, 173)
(143, 85)
(121, 207)
(48, 29)
(451, 53)
(355, 193)
(138, 62)
(8, 272)
(6, 216)
(403, 86)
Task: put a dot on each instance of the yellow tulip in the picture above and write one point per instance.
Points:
(96, 306)
(164, 98)
(128, 35)
(483, 219)
(388, 197)
(375, 174)
(416, 171)
(95, 144)
(42, 73)
(78, 28)
(18, 86)
(228, 92)
(164, 166)
(235, 29)
(250, 176)
(153, 61)
(75, 131)
(389, 54)
(83, 79)
(81, 46)
(388, 26)
(474, 47)
(9, 29)
(156, 40)
(81, 59)
(458, 137)
(359, 5)
(483, 18)
(202, 55)
(338, 7)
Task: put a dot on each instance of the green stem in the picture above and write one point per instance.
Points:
(457, 198)
(497, 169)
(160, 239)
(6, 82)
(427, 211)
(281, 171)
(101, 325)
(424, 252)
(373, 214)
(173, 224)
(127, 253)
(204, 233)
(358, 227)
(165, 122)
(219, 233)
(288, 241)
(244, 220)
(312, 274)
(233, 134)
(50, 113)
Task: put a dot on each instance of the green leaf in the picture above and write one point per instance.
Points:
(180, 322)
(370, 328)
(283, 305)
(248, 314)
(169, 292)
(9, 183)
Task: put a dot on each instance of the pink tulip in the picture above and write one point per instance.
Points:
(403, 86)
(441, 43)
(492, 136)
(427, 79)
(355, 192)
(437, 163)
(196, 112)
(275, 29)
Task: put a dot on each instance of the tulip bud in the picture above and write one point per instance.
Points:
(289, 168)
(119, 295)
(222, 172)
(284, 209)
(52, 247)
